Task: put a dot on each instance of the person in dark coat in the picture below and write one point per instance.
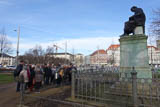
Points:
(53, 74)
(68, 71)
(17, 71)
(48, 73)
(45, 71)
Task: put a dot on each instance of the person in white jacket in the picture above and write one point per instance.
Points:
(24, 78)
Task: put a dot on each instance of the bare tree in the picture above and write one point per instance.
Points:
(5, 44)
(155, 24)
(37, 55)
(49, 50)
(111, 57)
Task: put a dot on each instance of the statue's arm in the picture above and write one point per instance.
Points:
(131, 18)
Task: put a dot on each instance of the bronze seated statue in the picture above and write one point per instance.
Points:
(138, 19)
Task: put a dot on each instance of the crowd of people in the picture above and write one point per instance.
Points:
(33, 77)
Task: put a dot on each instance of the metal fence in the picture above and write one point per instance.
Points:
(97, 69)
(106, 87)
(36, 100)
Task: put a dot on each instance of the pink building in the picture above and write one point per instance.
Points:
(98, 57)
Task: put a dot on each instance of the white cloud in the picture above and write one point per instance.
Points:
(91, 43)
(81, 45)
(13, 39)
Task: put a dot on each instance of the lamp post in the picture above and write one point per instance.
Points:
(98, 56)
(18, 34)
(66, 52)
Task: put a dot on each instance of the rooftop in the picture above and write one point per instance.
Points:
(6, 55)
(113, 46)
(100, 51)
(152, 47)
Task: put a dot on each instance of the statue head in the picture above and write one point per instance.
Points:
(133, 8)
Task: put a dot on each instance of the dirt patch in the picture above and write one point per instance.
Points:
(46, 98)
(10, 98)
(8, 95)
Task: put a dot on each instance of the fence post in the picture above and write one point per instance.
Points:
(134, 88)
(153, 73)
(22, 88)
(73, 85)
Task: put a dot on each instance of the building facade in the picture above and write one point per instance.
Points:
(154, 55)
(113, 55)
(7, 60)
(87, 60)
(98, 57)
(67, 56)
(78, 59)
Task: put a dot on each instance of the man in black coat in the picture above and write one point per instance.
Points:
(48, 73)
(19, 68)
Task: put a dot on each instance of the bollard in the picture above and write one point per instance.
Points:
(134, 88)
(73, 85)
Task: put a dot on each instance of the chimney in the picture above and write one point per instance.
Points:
(158, 44)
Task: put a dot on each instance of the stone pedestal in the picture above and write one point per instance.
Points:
(134, 53)
(138, 30)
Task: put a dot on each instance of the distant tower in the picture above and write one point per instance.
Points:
(158, 44)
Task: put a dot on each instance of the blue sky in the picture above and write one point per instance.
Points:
(84, 24)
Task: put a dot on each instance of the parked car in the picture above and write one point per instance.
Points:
(1, 66)
(11, 67)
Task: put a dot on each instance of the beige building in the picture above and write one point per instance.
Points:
(7, 60)
(78, 59)
(87, 60)
(62, 55)
(154, 55)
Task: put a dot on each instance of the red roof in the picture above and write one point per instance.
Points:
(114, 46)
(152, 47)
(100, 51)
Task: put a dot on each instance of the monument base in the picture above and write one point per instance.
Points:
(134, 53)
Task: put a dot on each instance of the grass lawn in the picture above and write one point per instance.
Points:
(6, 78)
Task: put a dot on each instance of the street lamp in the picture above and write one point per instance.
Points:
(18, 34)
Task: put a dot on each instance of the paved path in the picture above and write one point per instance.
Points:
(8, 95)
